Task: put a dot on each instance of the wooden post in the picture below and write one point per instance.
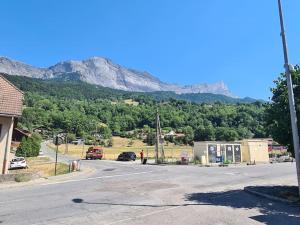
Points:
(157, 138)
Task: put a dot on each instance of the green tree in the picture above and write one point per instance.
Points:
(205, 133)
(278, 115)
(226, 134)
(150, 138)
(188, 135)
(29, 147)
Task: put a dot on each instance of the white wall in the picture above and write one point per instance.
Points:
(7, 128)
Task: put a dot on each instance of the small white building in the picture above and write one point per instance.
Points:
(255, 150)
(213, 152)
(247, 150)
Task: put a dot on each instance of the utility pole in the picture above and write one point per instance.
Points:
(288, 69)
(57, 141)
(157, 137)
(162, 151)
(66, 147)
(82, 148)
(55, 160)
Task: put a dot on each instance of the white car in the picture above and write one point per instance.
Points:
(18, 162)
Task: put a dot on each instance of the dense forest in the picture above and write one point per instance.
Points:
(84, 110)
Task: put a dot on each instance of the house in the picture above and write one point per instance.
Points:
(11, 101)
(247, 150)
(172, 134)
(78, 141)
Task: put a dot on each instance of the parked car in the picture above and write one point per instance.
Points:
(18, 163)
(127, 156)
(94, 152)
(285, 158)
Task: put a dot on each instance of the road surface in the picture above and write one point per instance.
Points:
(130, 193)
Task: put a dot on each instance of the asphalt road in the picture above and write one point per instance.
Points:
(130, 193)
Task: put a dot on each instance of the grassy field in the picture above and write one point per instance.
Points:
(43, 166)
(122, 144)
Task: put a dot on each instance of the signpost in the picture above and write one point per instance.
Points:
(57, 141)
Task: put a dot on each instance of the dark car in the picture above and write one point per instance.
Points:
(127, 156)
(94, 152)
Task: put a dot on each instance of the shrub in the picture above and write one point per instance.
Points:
(150, 139)
(22, 178)
(29, 147)
(71, 137)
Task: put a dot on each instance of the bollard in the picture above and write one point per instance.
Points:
(74, 166)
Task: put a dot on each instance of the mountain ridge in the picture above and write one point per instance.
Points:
(104, 72)
(77, 89)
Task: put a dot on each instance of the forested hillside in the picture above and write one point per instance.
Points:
(68, 86)
(83, 109)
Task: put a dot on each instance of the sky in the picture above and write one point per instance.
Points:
(178, 41)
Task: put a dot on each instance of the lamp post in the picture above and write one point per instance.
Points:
(288, 69)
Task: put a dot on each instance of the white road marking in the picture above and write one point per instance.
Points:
(144, 215)
(14, 200)
(96, 178)
(231, 173)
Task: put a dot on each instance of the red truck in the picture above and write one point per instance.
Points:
(94, 152)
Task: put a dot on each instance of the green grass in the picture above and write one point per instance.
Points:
(42, 166)
(61, 168)
(172, 151)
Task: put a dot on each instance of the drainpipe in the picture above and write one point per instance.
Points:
(5, 160)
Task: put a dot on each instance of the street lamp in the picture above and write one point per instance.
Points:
(288, 70)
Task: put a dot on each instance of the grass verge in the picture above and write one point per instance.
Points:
(42, 166)
(22, 178)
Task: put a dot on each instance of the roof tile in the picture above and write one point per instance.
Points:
(11, 99)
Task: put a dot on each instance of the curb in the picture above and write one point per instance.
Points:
(43, 180)
(270, 197)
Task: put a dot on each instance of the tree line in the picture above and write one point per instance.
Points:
(106, 117)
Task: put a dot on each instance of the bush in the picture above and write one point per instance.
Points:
(22, 178)
(150, 139)
(71, 137)
(29, 147)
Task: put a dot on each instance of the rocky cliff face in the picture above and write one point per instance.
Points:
(103, 72)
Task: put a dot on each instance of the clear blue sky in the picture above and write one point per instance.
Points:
(179, 41)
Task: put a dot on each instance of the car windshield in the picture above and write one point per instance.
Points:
(18, 159)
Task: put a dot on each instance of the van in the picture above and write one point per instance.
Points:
(94, 152)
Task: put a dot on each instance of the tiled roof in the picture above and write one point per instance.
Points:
(11, 99)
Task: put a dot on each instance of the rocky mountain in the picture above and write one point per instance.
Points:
(104, 72)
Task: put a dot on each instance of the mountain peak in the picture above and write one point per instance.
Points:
(102, 71)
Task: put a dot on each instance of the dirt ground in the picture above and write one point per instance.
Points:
(172, 152)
